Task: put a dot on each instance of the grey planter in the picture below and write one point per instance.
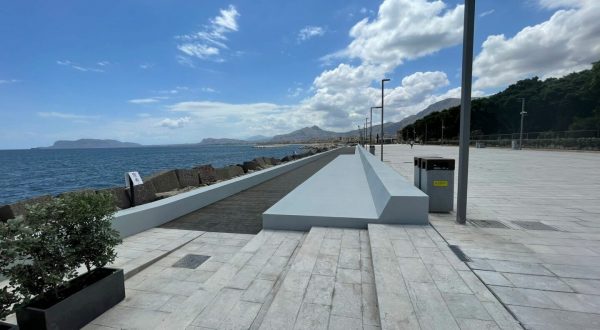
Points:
(85, 298)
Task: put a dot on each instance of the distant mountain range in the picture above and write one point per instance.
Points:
(91, 143)
(305, 134)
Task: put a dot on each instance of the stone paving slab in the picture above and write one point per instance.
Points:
(547, 279)
(329, 285)
(428, 287)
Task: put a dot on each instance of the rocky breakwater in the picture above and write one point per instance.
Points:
(169, 183)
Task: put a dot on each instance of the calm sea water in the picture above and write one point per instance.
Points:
(29, 173)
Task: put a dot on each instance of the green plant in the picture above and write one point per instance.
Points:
(55, 239)
(8, 256)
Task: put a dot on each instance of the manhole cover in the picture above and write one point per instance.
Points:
(191, 261)
(459, 253)
(534, 225)
(488, 224)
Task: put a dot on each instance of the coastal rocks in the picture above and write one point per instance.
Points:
(206, 173)
(288, 158)
(250, 166)
(187, 178)
(120, 196)
(229, 172)
(12, 211)
(275, 161)
(163, 181)
(143, 194)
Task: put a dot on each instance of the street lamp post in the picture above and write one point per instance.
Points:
(465, 111)
(523, 113)
(371, 129)
(442, 131)
(365, 128)
(359, 134)
(382, 82)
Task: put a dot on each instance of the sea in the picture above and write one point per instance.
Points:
(29, 173)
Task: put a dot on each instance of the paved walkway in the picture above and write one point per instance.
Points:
(549, 279)
(242, 212)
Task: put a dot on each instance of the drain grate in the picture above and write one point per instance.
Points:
(459, 253)
(488, 224)
(534, 225)
(191, 261)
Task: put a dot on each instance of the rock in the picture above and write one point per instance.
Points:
(143, 194)
(163, 181)
(229, 172)
(120, 196)
(14, 210)
(206, 173)
(250, 166)
(262, 162)
(275, 161)
(288, 158)
(187, 178)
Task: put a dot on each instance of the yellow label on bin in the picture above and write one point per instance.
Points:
(440, 183)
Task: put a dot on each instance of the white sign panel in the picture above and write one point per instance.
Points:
(133, 177)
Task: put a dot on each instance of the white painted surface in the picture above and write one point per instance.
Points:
(350, 192)
(137, 219)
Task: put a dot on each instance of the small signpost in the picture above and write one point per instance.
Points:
(132, 179)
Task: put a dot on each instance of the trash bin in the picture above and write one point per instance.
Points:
(417, 170)
(372, 149)
(437, 181)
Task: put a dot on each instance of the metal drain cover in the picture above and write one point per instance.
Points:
(534, 225)
(191, 261)
(488, 224)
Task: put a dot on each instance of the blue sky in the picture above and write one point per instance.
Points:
(158, 72)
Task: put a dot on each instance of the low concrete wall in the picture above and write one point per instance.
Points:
(137, 219)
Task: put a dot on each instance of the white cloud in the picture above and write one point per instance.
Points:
(146, 66)
(208, 90)
(63, 115)
(8, 81)
(553, 4)
(144, 101)
(486, 13)
(174, 123)
(567, 42)
(309, 32)
(103, 63)
(404, 29)
(78, 67)
(208, 43)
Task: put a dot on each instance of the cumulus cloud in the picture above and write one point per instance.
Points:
(404, 29)
(174, 123)
(567, 42)
(210, 41)
(309, 32)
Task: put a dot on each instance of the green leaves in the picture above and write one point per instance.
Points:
(40, 253)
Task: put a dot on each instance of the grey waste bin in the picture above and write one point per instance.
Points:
(372, 149)
(437, 181)
(417, 170)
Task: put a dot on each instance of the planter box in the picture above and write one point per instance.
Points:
(8, 326)
(81, 301)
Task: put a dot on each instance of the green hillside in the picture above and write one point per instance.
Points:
(568, 103)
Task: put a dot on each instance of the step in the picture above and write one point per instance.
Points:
(329, 284)
(234, 295)
(421, 284)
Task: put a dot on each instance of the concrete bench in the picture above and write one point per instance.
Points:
(350, 192)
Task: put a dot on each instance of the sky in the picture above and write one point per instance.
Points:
(178, 71)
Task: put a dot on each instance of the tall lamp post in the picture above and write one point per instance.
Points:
(366, 123)
(523, 113)
(382, 82)
(371, 129)
(465, 111)
(359, 134)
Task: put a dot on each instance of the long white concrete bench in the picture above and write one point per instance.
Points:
(350, 192)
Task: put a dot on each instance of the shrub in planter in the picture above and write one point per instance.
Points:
(54, 240)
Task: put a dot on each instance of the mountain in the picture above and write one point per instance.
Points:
(90, 144)
(211, 141)
(258, 138)
(390, 129)
(305, 134)
(552, 105)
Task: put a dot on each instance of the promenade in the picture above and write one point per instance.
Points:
(533, 249)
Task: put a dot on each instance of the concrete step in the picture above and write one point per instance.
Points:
(329, 284)
(421, 284)
(234, 296)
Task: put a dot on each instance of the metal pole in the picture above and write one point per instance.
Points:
(359, 134)
(382, 82)
(523, 113)
(442, 131)
(425, 134)
(371, 128)
(465, 111)
(366, 123)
